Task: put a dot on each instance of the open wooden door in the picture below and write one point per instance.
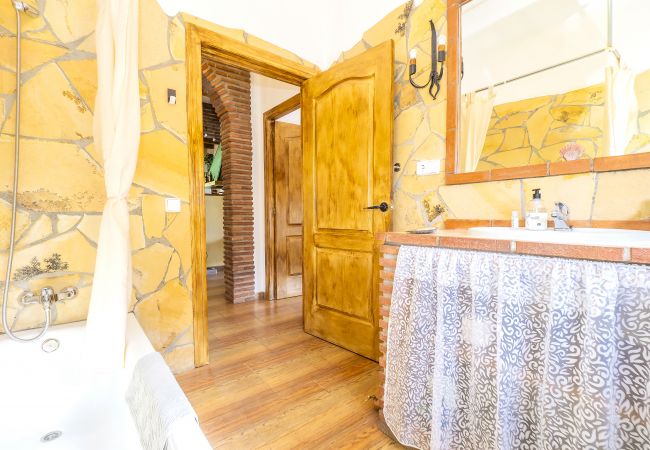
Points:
(288, 209)
(347, 114)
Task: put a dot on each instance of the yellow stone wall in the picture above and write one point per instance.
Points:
(419, 134)
(61, 191)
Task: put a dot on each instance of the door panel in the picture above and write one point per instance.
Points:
(289, 209)
(347, 144)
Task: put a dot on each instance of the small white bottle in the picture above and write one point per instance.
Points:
(536, 215)
(514, 219)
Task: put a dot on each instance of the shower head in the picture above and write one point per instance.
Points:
(23, 6)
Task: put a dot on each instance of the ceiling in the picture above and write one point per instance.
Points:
(317, 31)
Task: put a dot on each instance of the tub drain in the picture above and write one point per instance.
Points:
(51, 436)
(50, 345)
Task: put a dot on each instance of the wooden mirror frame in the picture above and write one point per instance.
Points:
(454, 52)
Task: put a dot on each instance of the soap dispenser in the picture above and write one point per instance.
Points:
(536, 215)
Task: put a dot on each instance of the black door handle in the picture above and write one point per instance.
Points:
(383, 207)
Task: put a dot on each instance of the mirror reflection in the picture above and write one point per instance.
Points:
(553, 80)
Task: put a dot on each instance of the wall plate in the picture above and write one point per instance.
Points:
(173, 205)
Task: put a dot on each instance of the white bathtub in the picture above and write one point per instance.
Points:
(43, 392)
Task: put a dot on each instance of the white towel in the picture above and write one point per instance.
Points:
(156, 402)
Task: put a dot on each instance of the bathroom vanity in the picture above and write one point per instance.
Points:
(612, 245)
(519, 325)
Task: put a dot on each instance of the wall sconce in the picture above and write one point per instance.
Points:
(438, 55)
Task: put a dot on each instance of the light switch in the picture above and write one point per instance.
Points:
(428, 167)
(173, 205)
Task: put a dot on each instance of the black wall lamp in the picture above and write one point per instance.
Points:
(438, 55)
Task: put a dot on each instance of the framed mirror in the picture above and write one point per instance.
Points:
(546, 87)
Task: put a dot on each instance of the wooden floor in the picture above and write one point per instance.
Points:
(270, 385)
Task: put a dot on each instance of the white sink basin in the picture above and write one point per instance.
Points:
(581, 236)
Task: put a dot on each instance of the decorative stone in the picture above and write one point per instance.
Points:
(177, 235)
(82, 74)
(162, 165)
(265, 45)
(153, 215)
(50, 91)
(89, 44)
(165, 314)
(180, 359)
(74, 248)
(177, 39)
(172, 117)
(406, 124)
(419, 29)
(146, 119)
(384, 29)
(493, 200)
(71, 19)
(40, 229)
(136, 230)
(407, 214)
(153, 35)
(42, 186)
(149, 267)
(28, 22)
(356, 50)
(89, 226)
(611, 204)
(438, 118)
(34, 54)
(66, 223)
(173, 270)
(22, 223)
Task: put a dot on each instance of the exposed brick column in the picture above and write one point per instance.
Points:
(229, 90)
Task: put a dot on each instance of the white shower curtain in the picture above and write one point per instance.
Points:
(475, 114)
(498, 351)
(117, 136)
(621, 108)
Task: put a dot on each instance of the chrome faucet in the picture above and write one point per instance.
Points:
(560, 216)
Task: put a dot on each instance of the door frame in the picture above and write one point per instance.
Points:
(201, 41)
(270, 117)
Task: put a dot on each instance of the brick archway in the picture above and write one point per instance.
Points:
(229, 91)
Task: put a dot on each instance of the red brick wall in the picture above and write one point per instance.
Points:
(229, 90)
(387, 263)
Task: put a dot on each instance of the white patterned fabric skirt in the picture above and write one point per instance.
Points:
(501, 351)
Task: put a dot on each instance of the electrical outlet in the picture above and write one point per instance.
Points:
(428, 167)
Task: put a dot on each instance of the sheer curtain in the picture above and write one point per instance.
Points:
(475, 113)
(621, 107)
(503, 351)
(117, 136)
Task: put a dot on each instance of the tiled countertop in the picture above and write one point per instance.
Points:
(461, 239)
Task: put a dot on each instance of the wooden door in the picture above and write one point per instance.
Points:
(347, 139)
(288, 209)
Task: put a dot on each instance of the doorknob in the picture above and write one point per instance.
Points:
(383, 207)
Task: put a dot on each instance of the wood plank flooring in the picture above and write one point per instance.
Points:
(270, 385)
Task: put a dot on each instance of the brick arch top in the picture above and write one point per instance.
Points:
(229, 90)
